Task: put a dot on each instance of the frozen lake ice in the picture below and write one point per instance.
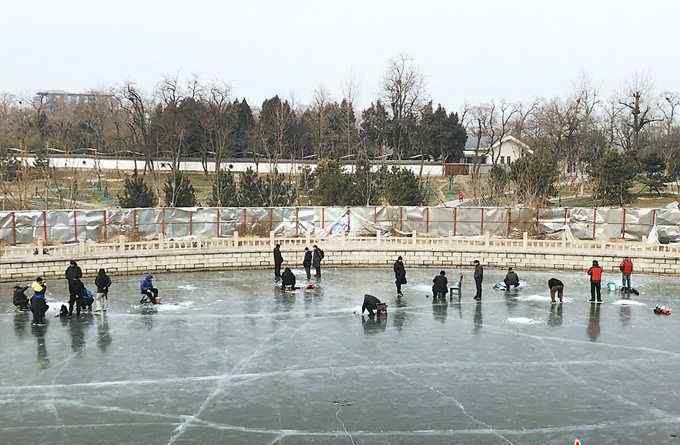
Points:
(229, 359)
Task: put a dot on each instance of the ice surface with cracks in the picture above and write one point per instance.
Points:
(230, 359)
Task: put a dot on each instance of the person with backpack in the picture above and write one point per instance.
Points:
(626, 268)
(399, 274)
(307, 263)
(317, 256)
(278, 262)
(146, 288)
(595, 273)
(103, 282)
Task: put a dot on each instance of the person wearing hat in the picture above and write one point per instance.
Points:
(440, 286)
(595, 273)
(479, 277)
(38, 301)
(399, 274)
(75, 286)
(19, 299)
(511, 279)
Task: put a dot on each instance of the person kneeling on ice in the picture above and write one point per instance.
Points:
(38, 301)
(19, 299)
(511, 279)
(146, 288)
(287, 279)
(441, 286)
(87, 299)
(372, 304)
(662, 310)
(556, 288)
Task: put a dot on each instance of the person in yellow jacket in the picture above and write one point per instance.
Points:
(38, 301)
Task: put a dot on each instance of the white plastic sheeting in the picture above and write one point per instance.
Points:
(70, 226)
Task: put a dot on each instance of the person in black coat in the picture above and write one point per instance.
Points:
(278, 261)
(556, 288)
(19, 299)
(317, 256)
(399, 274)
(440, 286)
(103, 282)
(287, 279)
(479, 277)
(511, 279)
(75, 286)
(307, 263)
(370, 304)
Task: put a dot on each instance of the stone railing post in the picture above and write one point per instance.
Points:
(121, 243)
(487, 239)
(41, 246)
(236, 238)
(378, 237)
(414, 236)
(564, 240)
(308, 240)
(525, 240)
(271, 238)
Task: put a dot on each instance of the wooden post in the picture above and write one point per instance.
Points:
(243, 220)
(481, 223)
(14, 229)
(44, 227)
(401, 219)
(75, 225)
(163, 221)
(525, 240)
(271, 219)
(623, 225)
(653, 217)
(566, 216)
(594, 219)
(509, 222)
(135, 229)
(427, 220)
(455, 220)
(217, 222)
(297, 222)
(105, 227)
(191, 219)
(323, 218)
(349, 219)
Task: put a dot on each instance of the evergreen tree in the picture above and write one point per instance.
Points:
(653, 173)
(333, 186)
(404, 189)
(9, 166)
(243, 129)
(178, 190)
(223, 192)
(534, 177)
(375, 128)
(250, 190)
(613, 175)
(277, 191)
(136, 193)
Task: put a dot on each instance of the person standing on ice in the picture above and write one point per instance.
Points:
(399, 274)
(595, 273)
(75, 286)
(317, 256)
(103, 282)
(479, 277)
(307, 263)
(39, 301)
(626, 268)
(278, 262)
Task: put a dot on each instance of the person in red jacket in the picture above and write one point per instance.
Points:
(595, 273)
(626, 268)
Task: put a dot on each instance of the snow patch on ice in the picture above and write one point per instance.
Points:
(628, 303)
(187, 287)
(522, 320)
(170, 307)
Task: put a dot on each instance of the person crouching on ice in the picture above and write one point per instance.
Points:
(370, 304)
(287, 279)
(440, 286)
(19, 299)
(147, 289)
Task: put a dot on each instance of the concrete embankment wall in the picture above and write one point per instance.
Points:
(419, 256)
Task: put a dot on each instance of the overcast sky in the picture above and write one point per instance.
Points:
(468, 50)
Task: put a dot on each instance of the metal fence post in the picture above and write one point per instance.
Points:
(14, 229)
(594, 221)
(75, 225)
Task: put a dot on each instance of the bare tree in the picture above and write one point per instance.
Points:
(638, 101)
(404, 91)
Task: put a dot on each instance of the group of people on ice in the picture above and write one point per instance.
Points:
(312, 258)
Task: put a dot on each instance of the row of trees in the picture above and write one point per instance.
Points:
(330, 184)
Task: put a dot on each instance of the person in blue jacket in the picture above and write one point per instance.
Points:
(38, 301)
(146, 288)
(87, 299)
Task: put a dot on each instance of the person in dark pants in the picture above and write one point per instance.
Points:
(317, 256)
(146, 288)
(595, 273)
(479, 277)
(38, 301)
(307, 263)
(19, 299)
(287, 279)
(370, 304)
(278, 261)
(399, 274)
(73, 275)
(103, 282)
(440, 286)
(556, 288)
(511, 279)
